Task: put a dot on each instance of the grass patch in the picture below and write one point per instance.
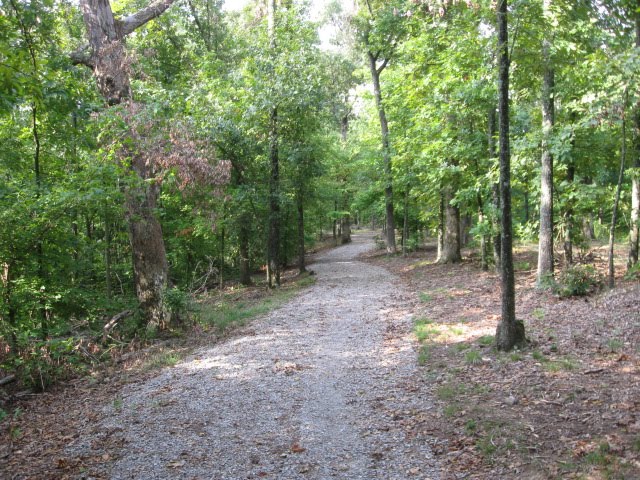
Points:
(424, 355)
(599, 456)
(539, 356)
(461, 347)
(425, 297)
(470, 427)
(424, 329)
(521, 266)
(538, 313)
(473, 357)
(615, 345)
(486, 446)
(487, 340)
(562, 364)
(515, 356)
(449, 391)
(230, 309)
(456, 330)
(451, 410)
(162, 359)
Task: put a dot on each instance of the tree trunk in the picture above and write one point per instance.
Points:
(273, 267)
(634, 233)
(440, 228)
(451, 237)
(107, 253)
(243, 240)
(110, 68)
(344, 127)
(614, 213)
(386, 155)
(345, 230)
(405, 223)
(545, 244)
(150, 267)
(495, 190)
(510, 332)
(300, 206)
(567, 244)
(483, 239)
(273, 242)
(6, 277)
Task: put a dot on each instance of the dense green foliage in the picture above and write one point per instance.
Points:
(208, 79)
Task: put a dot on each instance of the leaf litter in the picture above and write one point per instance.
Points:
(567, 406)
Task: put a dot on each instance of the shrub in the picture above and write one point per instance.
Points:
(577, 280)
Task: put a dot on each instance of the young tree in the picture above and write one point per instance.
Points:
(634, 233)
(545, 247)
(510, 332)
(379, 33)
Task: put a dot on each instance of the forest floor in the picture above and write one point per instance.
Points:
(326, 385)
(568, 406)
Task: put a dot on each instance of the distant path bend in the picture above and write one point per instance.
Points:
(320, 388)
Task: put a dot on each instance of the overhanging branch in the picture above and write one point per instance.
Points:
(136, 20)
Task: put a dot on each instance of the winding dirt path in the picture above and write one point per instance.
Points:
(323, 387)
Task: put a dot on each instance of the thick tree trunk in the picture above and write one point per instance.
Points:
(545, 244)
(510, 332)
(110, 68)
(150, 267)
(345, 230)
(451, 237)
(386, 155)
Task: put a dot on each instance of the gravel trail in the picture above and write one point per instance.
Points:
(321, 388)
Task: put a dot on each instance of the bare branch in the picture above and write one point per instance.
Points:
(136, 20)
(383, 65)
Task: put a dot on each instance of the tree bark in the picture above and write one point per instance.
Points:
(483, 239)
(110, 68)
(273, 241)
(568, 219)
(509, 332)
(634, 233)
(440, 228)
(300, 207)
(545, 243)
(614, 213)
(273, 266)
(386, 153)
(451, 237)
(495, 190)
(405, 223)
(345, 230)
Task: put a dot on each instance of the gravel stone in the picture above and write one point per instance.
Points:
(320, 388)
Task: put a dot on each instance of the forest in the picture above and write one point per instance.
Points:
(162, 161)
